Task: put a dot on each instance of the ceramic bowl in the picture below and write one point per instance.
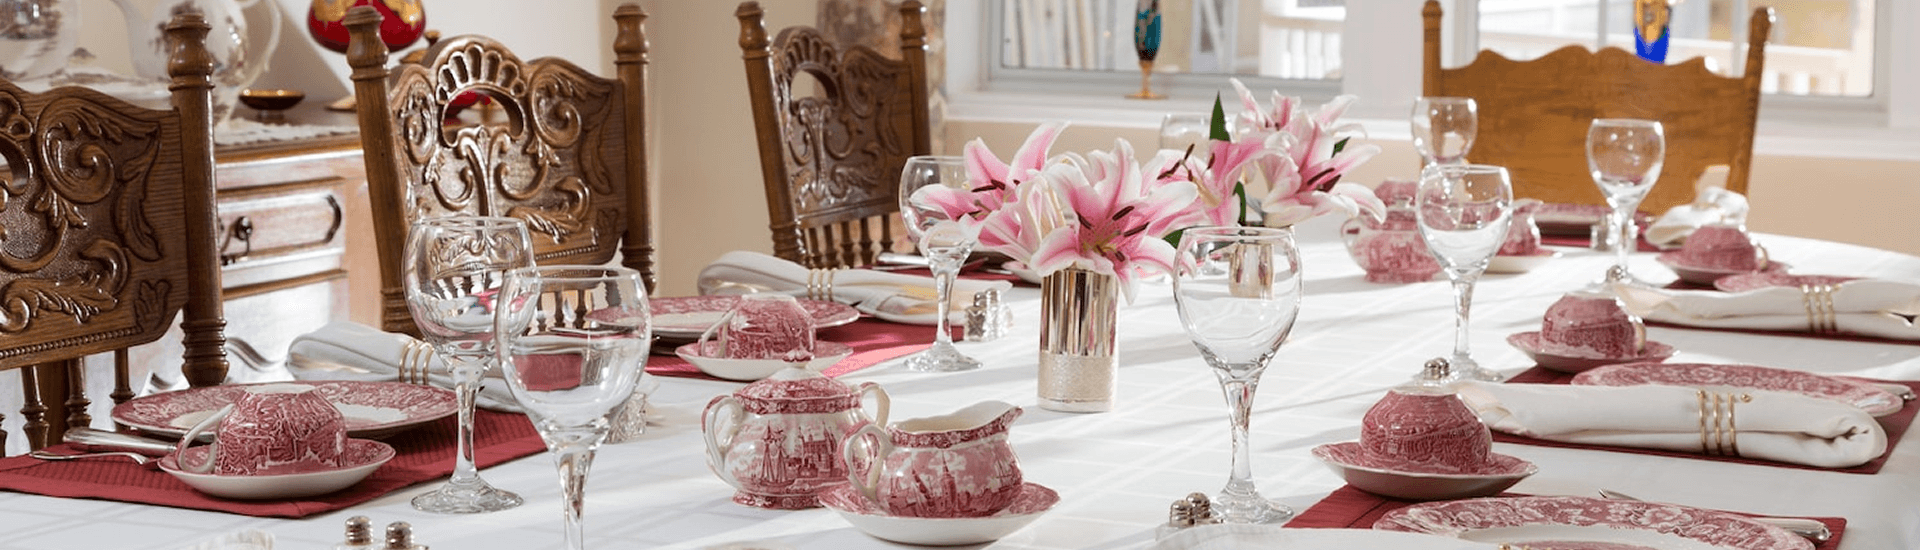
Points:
(271, 100)
(1584, 324)
(1413, 481)
(747, 370)
(1428, 427)
(362, 457)
(1708, 276)
(1032, 501)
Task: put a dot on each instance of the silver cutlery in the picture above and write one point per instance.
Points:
(89, 439)
(1811, 529)
(1902, 390)
(137, 458)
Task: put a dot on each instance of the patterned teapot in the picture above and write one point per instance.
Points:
(779, 440)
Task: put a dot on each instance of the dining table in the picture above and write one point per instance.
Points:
(1167, 435)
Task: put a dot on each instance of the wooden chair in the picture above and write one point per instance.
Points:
(109, 232)
(570, 158)
(1534, 115)
(831, 157)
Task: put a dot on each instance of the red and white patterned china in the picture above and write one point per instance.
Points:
(950, 466)
(683, 318)
(1416, 480)
(1709, 276)
(1429, 426)
(1581, 523)
(1769, 279)
(362, 458)
(372, 409)
(1715, 251)
(1582, 330)
(778, 440)
(1531, 344)
(705, 356)
(762, 326)
(271, 428)
(1868, 397)
(1390, 250)
(846, 500)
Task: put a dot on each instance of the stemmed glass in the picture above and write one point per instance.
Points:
(1443, 128)
(1178, 131)
(1624, 156)
(1463, 212)
(1238, 292)
(945, 241)
(454, 267)
(573, 341)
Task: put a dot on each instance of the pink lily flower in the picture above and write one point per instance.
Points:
(1118, 223)
(991, 182)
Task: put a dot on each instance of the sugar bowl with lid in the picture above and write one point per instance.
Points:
(778, 440)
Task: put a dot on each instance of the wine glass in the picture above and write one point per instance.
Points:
(945, 239)
(1463, 212)
(1178, 131)
(1624, 156)
(1443, 128)
(454, 268)
(573, 341)
(1238, 292)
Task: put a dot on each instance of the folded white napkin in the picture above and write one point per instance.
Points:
(1868, 307)
(1712, 205)
(891, 296)
(251, 539)
(1777, 426)
(345, 350)
(1240, 537)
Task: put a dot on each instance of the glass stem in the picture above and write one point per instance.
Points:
(1239, 392)
(573, 450)
(943, 274)
(1462, 306)
(1625, 240)
(467, 371)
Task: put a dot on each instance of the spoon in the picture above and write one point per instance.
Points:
(1812, 529)
(137, 458)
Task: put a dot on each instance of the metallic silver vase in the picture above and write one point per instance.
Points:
(1079, 365)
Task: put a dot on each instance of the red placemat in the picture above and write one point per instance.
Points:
(873, 342)
(1350, 508)
(1895, 424)
(424, 454)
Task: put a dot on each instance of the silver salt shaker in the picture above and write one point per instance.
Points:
(988, 318)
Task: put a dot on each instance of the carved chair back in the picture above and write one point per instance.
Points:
(831, 157)
(108, 232)
(570, 158)
(1534, 115)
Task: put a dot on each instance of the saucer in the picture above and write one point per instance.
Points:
(1520, 263)
(1769, 279)
(1529, 343)
(362, 455)
(1418, 481)
(747, 370)
(1033, 500)
(1707, 275)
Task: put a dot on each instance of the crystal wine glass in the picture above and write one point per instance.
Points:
(1464, 211)
(946, 240)
(1624, 156)
(1238, 292)
(1178, 131)
(454, 268)
(573, 342)
(1443, 128)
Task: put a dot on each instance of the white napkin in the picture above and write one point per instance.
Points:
(1712, 205)
(1870, 307)
(251, 539)
(891, 296)
(1241, 537)
(1777, 426)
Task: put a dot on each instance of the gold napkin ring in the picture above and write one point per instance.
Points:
(416, 362)
(1818, 299)
(820, 284)
(1719, 436)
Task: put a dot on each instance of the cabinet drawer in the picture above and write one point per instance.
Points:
(263, 225)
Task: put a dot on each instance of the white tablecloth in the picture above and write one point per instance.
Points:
(1116, 472)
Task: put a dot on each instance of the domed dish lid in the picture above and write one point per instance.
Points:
(797, 389)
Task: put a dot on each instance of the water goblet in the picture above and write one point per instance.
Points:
(1237, 290)
(1178, 131)
(1463, 212)
(1624, 156)
(930, 187)
(573, 340)
(454, 268)
(1443, 128)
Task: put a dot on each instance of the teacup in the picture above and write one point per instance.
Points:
(1426, 426)
(1390, 250)
(761, 326)
(1585, 324)
(270, 429)
(1523, 236)
(958, 465)
(1723, 247)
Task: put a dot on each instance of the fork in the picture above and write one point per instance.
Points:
(1812, 529)
(137, 458)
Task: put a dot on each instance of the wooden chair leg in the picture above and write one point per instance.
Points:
(33, 411)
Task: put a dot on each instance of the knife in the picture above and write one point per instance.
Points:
(90, 439)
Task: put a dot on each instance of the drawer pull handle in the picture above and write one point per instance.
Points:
(243, 232)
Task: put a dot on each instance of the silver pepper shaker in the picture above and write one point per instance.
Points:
(359, 535)
(400, 537)
(988, 318)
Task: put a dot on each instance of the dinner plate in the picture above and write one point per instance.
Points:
(685, 317)
(372, 409)
(701, 354)
(1529, 343)
(362, 457)
(1870, 398)
(1032, 501)
(1580, 523)
(1520, 263)
(1755, 281)
(1706, 275)
(1415, 481)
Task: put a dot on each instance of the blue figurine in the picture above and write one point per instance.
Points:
(1652, 29)
(1146, 42)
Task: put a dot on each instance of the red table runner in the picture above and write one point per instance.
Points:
(1895, 424)
(1350, 508)
(873, 341)
(423, 454)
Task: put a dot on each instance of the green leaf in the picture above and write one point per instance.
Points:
(1340, 145)
(1173, 237)
(1240, 194)
(1217, 127)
